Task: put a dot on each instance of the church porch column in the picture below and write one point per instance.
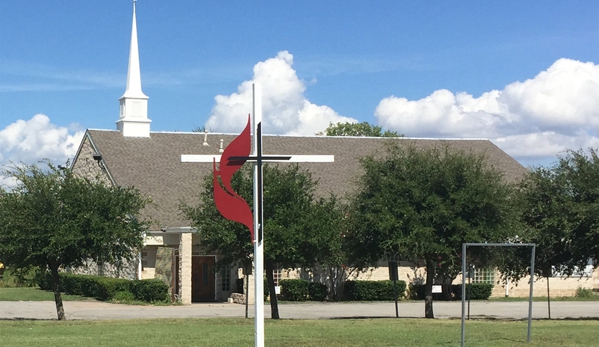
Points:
(185, 247)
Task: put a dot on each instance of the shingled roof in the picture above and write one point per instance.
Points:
(153, 164)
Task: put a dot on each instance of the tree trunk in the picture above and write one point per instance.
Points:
(428, 287)
(56, 290)
(274, 304)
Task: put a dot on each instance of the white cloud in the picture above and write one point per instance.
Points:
(285, 108)
(29, 141)
(540, 117)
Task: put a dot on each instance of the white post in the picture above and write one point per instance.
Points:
(258, 241)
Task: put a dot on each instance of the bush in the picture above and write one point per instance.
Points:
(418, 292)
(124, 296)
(317, 291)
(372, 290)
(101, 288)
(151, 290)
(478, 291)
(584, 293)
(266, 290)
(44, 280)
(13, 279)
(106, 288)
(294, 289)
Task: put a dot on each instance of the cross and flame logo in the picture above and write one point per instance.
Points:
(230, 205)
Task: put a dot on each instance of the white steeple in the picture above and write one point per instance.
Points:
(134, 120)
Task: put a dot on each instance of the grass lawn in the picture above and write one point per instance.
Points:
(594, 297)
(34, 294)
(290, 333)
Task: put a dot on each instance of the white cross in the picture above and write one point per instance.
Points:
(258, 158)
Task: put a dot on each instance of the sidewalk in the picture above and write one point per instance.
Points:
(86, 310)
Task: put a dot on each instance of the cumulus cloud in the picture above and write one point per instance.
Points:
(285, 108)
(29, 141)
(556, 110)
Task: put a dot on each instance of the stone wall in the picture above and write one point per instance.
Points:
(127, 269)
(87, 167)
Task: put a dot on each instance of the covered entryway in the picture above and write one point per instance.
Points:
(202, 278)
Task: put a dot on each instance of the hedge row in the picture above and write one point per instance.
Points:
(477, 291)
(106, 288)
(372, 290)
(300, 290)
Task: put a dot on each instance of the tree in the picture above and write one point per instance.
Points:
(200, 129)
(358, 129)
(422, 204)
(53, 219)
(298, 228)
(559, 209)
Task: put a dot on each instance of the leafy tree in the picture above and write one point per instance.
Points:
(199, 129)
(358, 129)
(333, 264)
(422, 204)
(298, 228)
(53, 219)
(559, 208)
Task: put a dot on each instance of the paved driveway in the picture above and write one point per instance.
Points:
(89, 310)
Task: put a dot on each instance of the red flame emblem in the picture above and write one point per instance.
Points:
(228, 202)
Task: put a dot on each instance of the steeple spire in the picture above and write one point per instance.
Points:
(134, 120)
(134, 75)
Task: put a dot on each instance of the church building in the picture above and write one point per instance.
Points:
(134, 155)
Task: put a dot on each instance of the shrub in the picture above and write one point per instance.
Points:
(584, 292)
(317, 291)
(23, 278)
(106, 288)
(372, 290)
(266, 290)
(124, 296)
(416, 291)
(478, 291)
(294, 289)
(43, 280)
(151, 290)
(102, 288)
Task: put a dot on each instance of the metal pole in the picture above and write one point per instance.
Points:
(548, 299)
(532, 281)
(258, 240)
(463, 292)
(469, 287)
(395, 294)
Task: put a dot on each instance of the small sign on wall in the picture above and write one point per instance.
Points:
(437, 288)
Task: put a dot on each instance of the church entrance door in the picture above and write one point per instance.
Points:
(202, 278)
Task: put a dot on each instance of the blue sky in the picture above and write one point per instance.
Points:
(523, 74)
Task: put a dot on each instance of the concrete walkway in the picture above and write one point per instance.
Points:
(90, 310)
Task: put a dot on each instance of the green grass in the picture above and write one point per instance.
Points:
(34, 294)
(595, 297)
(291, 333)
